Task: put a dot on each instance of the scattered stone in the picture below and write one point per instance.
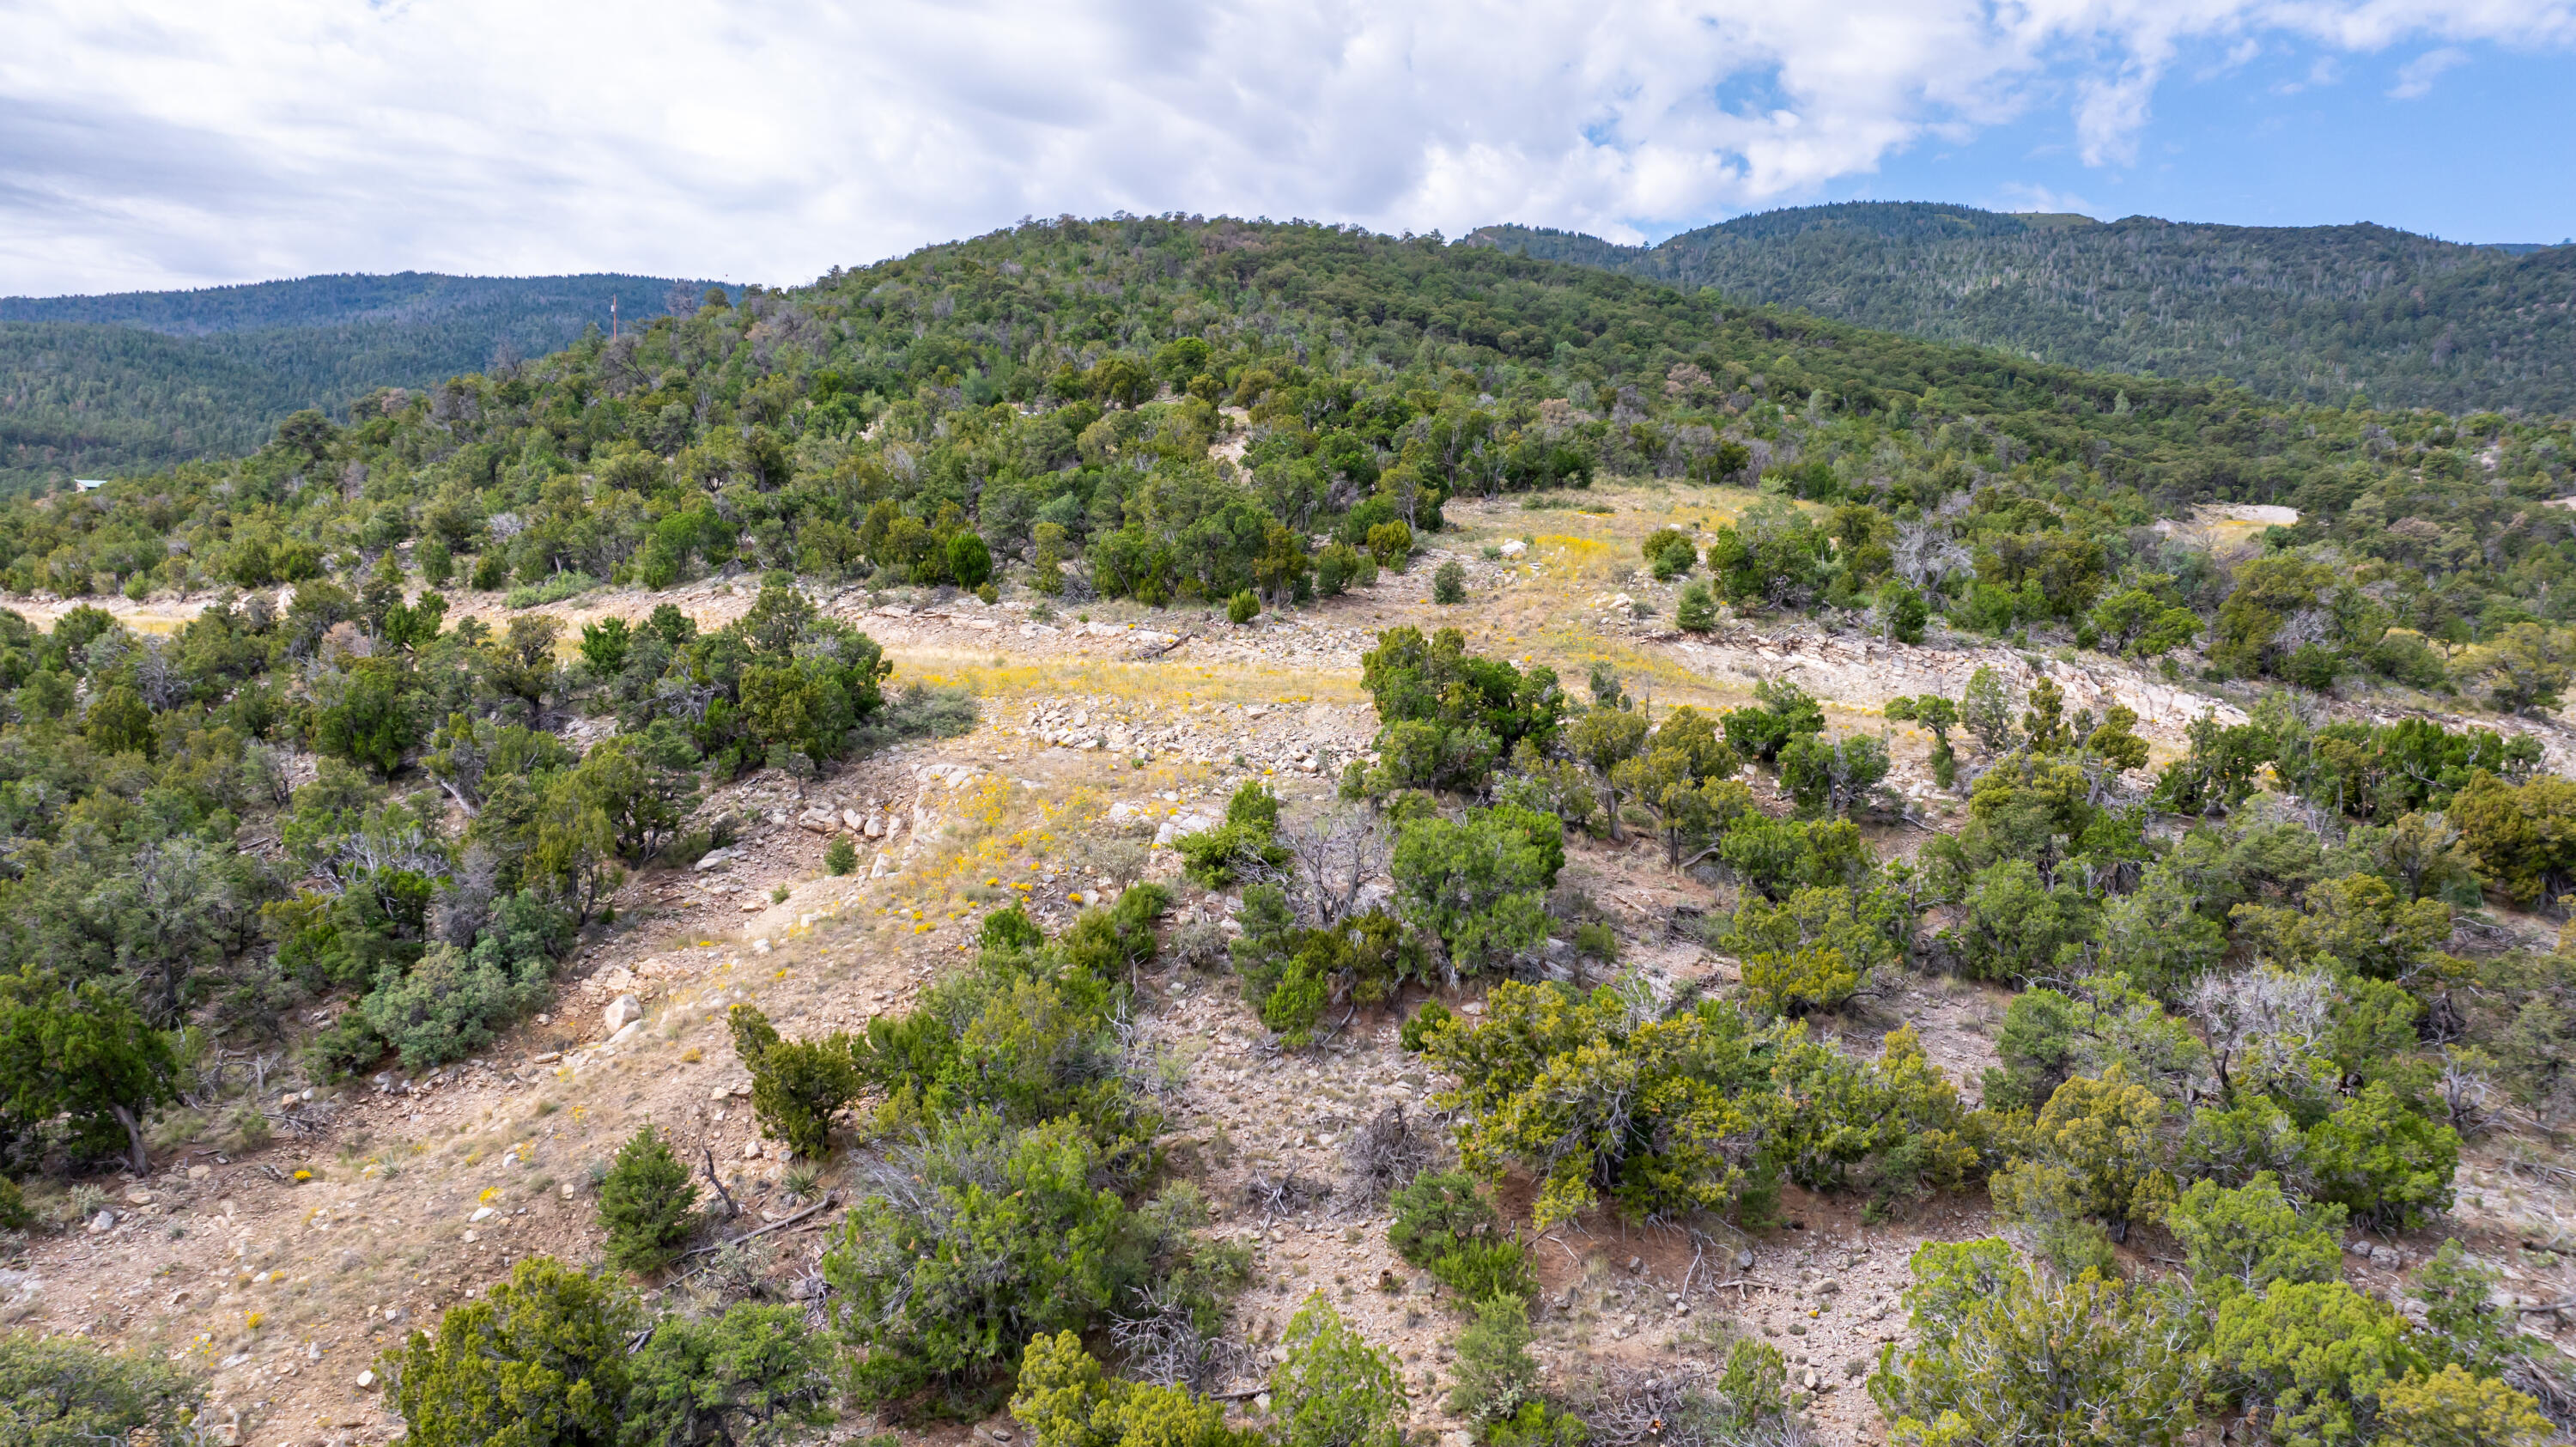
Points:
(104, 1221)
(366, 1379)
(481, 1213)
(751, 1150)
(623, 1011)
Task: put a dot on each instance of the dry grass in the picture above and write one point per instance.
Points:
(998, 675)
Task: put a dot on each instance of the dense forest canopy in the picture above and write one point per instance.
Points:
(2312, 313)
(98, 386)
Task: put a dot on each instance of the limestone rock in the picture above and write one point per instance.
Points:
(623, 1011)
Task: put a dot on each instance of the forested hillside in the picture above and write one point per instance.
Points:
(93, 386)
(1055, 392)
(2315, 314)
(2155, 1060)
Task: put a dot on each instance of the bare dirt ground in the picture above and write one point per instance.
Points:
(282, 1270)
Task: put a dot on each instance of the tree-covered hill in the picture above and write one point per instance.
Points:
(96, 386)
(2310, 313)
(1053, 392)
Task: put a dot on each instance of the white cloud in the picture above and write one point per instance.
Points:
(2415, 77)
(161, 144)
(2029, 197)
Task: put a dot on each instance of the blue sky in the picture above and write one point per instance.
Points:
(2478, 145)
(146, 144)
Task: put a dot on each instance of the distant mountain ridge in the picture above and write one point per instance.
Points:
(99, 385)
(2305, 313)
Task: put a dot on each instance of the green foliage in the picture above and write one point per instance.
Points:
(1778, 857)
(1770, 557)
(755, 1375)
(1754, 1382)
(452, 1002)
(986, 1232)
(1391, 544)
(1669, 552)
(970, 562)
(1066, 1400)
(2097, 1148)
(1447, 715)
(1603, 1096)
(1537, 1424)
(1813, 950)
(644, 784)
(797, 1086)
(1443, 1222)
(1242, 608)
(2016, 925)
(1695, 610)
(1290, 973)
(840, 856)
(1247, 842)
(1832, 779)
(2247, 1238)
(1478, 884)
(1782, 711)
(2002, 1354)
(540, 1359)
(1333, 1389)
(1902, 613)
(1494, 1373)
(1434, 1212)
(2316, 1356)
(546, 1357)
(1113, 943)
(14, 1215)
(1893, 1125)
(1449, 583)
(2157, 936)
(2371, 772)
(2451, 1408)
(63, 1392)
(2382, 1160)
(647, 1204)
(1009, 929)
(2523, 836)
(87, 1053)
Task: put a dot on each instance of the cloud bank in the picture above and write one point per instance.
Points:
(166, 144)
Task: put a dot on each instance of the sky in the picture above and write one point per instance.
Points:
(215, 141)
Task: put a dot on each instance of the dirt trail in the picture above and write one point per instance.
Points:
(282, 1270)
